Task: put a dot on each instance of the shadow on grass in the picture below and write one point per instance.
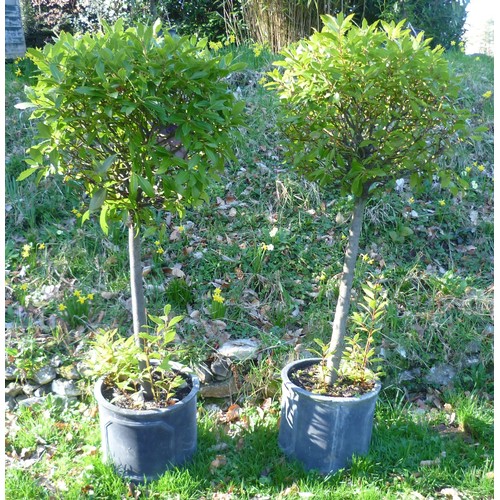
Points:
(407, 454)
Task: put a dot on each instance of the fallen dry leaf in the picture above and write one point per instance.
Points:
(430, 463)
(233, 413)
(415, 495)
(291, 490)
(451, 493)
(219, 461)
(175, 271)
(61, 485)
(436, 461)
(222, 496)
(175, 235)
(87, 489)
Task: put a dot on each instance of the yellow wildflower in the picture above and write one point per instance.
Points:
(411, 200)
(24, 287)
(215, 45)
(41, 246)
(160, 250)
(481, 168)
(62, 307)
(90, 296)
(81, 300)
(442, 203)
(26, 251)
(217, 297)
(487, 94)
(18, 72)
(77, 293)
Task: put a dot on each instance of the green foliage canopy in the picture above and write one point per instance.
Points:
(138, 118)
(366, 105)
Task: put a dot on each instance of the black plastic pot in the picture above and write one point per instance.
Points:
(143, 444)
(324, 432)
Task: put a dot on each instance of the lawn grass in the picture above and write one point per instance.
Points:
(427, 438)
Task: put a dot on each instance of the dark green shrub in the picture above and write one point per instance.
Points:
(42, 19)
(441, 20)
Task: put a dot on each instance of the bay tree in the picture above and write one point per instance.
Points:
(137, 119)
(363, 106)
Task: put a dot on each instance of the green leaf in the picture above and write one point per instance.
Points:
(405, 231)
(85, 217)
(165, 365)
(146, 186)
(394, 236)
(147, 336)
(174, 321)
(97, 200)
(128, 108)
(133, 186)
(357, 186)
(88, 91)
(56, 72)
(169, 336)
(106, 164)
(103, 219)
(26, 173)
(25, 105)
(44, 130)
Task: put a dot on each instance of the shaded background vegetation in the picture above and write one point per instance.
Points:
(274, 23)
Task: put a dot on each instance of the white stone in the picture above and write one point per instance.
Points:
(69, 372)
(440, 374)
(66, 388)
(45, 375)
(240, 350)
(12, 372)
(13, 389)
(217, 390)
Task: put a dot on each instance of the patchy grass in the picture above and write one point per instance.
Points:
(273, 244)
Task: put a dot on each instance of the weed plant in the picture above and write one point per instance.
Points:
(427, 439)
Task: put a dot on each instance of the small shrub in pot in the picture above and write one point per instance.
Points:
(139, 121)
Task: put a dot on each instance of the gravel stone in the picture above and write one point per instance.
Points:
(45, 375)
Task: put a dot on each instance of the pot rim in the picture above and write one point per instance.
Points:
(195, 381)
(320, 397)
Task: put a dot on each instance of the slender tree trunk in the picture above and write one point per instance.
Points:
(137, 291)
(339, 328)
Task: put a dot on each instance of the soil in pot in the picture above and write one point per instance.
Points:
(308, 378)
(134, 400)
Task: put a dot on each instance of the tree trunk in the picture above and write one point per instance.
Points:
(137, 291)
(336, 348)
